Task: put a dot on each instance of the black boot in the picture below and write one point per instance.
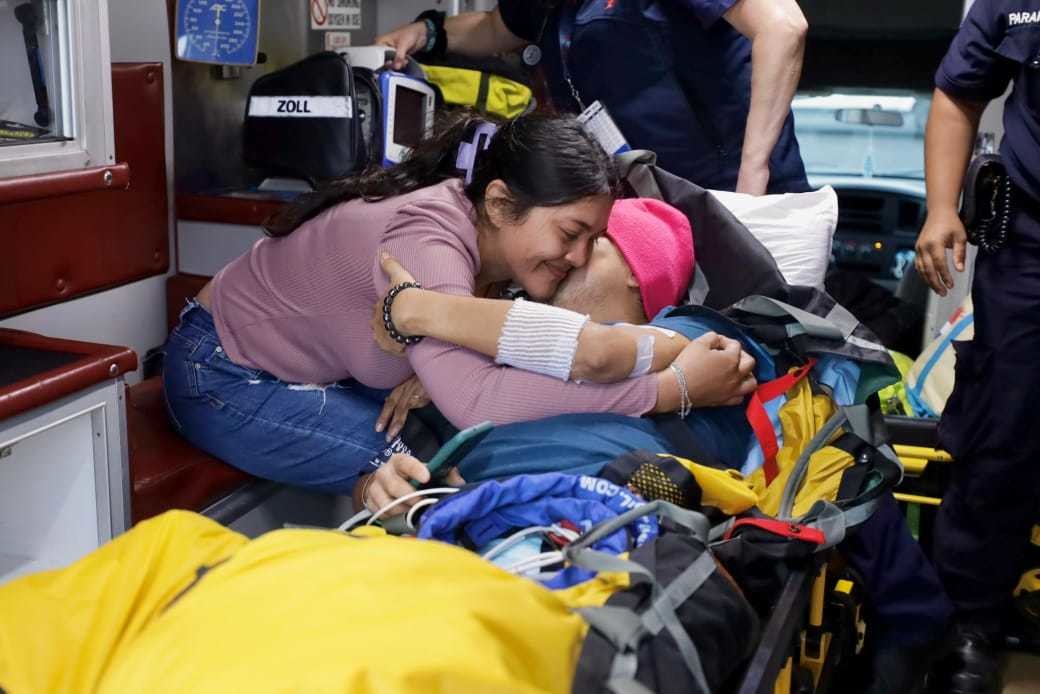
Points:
(971, 666)
(902, 669)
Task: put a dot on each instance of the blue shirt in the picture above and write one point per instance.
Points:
(999, 42)
(675, 79)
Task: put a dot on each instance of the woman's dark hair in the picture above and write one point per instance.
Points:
(545, 160)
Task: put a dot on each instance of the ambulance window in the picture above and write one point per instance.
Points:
(55, 86)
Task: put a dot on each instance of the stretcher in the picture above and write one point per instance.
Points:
(815, 627)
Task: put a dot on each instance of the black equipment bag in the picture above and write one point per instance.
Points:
(301, 121)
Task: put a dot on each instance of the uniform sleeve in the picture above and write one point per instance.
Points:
(524, 18)
(707, 12)
(972, 68)
(468, 387)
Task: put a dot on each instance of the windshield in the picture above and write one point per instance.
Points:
(868, 134)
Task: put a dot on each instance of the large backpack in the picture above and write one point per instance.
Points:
(662, 618)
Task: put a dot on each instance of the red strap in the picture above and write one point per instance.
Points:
(758, 418)
(792, 531)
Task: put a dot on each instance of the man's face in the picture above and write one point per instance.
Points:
(603, 288)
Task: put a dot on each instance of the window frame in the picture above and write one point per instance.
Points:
(86, 66)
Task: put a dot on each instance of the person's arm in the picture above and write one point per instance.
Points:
(474, 34)
(777, 31)
(948, 141)
(469, 388)
(428, 237)
(604, 354)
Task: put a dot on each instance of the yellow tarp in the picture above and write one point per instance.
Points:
(502, 97)
(294, 610)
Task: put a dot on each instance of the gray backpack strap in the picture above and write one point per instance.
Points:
(805, 322)
(858, 417)
(801, 466)
(693, 521)
(627, 686)
(825, 516)
(828, 519)
(719, 531)
(699, 287)
(843, 318)
(662, 613)
(594, 560)
(619, 625)
(634, 167)
(625, 628)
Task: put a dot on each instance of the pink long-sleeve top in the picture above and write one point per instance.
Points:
(299, 307)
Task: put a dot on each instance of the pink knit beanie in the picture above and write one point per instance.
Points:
(657, 243)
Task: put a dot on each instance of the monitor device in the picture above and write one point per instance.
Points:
(408, 106)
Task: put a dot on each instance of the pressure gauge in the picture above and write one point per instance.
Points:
(224, 32)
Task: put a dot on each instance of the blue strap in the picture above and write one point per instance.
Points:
(915, 391)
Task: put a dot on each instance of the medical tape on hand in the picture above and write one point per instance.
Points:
(644, 355)
(540, 338)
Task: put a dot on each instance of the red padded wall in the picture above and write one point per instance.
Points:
(60, 247)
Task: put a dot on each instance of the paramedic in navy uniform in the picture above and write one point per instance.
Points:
(990, 423)
(712, 98)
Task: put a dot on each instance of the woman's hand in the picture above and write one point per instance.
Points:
(410, 395)
(399, 311)
(393, 480)
(717, 370)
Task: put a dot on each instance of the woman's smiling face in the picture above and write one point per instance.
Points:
(542, 248)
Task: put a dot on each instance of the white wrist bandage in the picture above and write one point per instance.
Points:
(644, 355)
(540, 338)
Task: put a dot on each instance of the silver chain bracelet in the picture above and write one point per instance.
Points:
(685, 405)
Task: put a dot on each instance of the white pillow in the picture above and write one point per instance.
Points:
(797, 228)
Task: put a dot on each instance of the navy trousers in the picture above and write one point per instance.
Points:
(991, 426)
(906, 597)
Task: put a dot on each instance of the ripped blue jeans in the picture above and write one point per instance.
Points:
(317, 437)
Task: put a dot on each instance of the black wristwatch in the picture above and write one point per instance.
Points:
(440, 43)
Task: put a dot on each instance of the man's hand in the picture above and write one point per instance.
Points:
(753, 180)
(718, 371)
(941, 230)
(410, 395)
(407, 40)
(393, 480)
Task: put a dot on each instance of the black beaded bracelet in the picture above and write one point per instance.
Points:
(388, 323)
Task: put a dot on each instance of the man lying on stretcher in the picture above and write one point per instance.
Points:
(642, 266)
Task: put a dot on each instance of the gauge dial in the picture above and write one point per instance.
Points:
(214, 29)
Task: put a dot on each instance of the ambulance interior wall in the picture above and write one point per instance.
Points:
(209, 110)
(135, 314)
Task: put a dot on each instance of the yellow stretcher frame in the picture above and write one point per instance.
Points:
(915, 460)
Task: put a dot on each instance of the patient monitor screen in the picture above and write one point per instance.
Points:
(409, 119)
